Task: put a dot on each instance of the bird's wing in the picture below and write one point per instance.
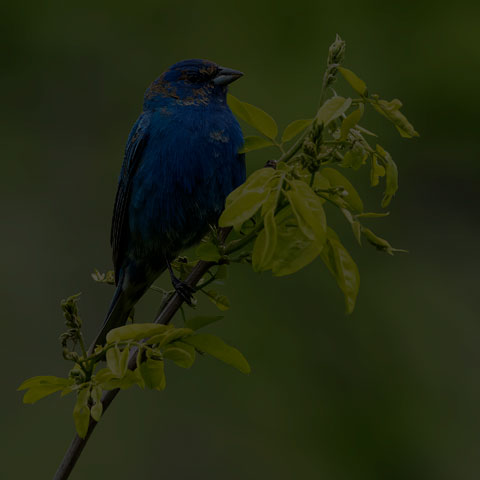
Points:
(133, 153)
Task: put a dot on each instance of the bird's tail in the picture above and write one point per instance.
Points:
(132, 283)
(122, 303)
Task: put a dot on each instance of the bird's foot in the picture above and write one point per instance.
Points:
(185, 291)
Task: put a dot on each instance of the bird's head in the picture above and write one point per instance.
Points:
(192, 82)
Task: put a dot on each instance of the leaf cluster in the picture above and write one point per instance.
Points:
(135, 354)
(280, 214)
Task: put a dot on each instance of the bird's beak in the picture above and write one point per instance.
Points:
(226, 76)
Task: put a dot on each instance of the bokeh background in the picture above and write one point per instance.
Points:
(390, 392)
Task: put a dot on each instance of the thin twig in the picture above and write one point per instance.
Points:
(170, 309)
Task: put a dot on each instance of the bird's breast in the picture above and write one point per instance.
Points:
(189, 166)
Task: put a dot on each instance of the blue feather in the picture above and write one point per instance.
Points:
(181, 161)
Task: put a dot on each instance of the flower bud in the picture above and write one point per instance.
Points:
(309, 148)
(336, 52)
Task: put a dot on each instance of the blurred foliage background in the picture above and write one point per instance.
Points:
(391, 391)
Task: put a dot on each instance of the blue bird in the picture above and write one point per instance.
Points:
(181, 161)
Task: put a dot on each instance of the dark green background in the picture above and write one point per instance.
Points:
(390, 392)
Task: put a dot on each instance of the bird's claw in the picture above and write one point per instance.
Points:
(185, 291)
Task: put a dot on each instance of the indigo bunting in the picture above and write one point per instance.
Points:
(181, 161)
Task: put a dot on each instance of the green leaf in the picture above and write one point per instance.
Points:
(34, 394)
(236, 106)
(124, 360)
(43, 380)
(67, 390)
(252, 143)
(351, 122)
(221, 301)
(265, 243)
(336, 179)
(355, 224)
(355, 157)
(380, 243)
(117, 361)
(261, 120)
(308, 210)
(81, 412)
(319, 183)
(391, 175)
(254, 116)
(294, 128)
(172, 335)
(196, 323)
(244, 202)
(103, 375)
(343, 268)
(181, 353)
(217, 348)
(293, 249)
(128, 380)
(157, 339)
(96, 393)
(208, 252)
(357, 231)
(136, 331)
(376, 171)
(97, 411)
(153, 374)
(332, 109)
(97, 407)
(41, 386)
(183, 267)
(271, 202)
(114, 361)
(391, 110)
(356, 83)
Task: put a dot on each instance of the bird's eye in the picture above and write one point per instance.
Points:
(195, 77)
(198, 78)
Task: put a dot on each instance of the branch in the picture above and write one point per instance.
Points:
(170, 309)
